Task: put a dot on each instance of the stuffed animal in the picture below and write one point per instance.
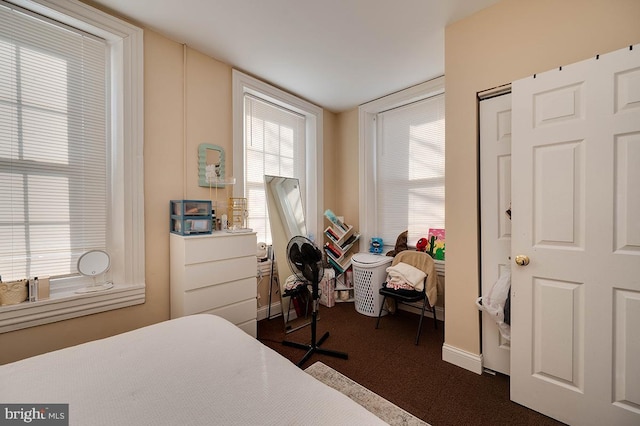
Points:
(401, 244)
(422, 244)
(376, 245)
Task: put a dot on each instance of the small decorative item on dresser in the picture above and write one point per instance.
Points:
(238, 212)
(13, 292)
(190, 217)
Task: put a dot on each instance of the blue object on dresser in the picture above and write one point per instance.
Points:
(190, 217)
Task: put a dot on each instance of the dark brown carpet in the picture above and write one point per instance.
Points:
(415, 378)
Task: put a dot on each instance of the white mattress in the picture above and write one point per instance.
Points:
(195, 370)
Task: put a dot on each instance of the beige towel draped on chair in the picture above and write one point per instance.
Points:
(427, 292)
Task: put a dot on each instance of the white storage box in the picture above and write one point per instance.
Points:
(369, 273)
(327, 292)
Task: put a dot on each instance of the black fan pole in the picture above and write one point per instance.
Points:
(315, 346)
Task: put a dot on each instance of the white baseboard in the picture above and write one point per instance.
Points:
(263, 311)
(461, 358)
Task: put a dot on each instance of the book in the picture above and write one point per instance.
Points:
(33, 290)
(331, 234)
(330, 248)
(352, 239)
(339, 236)
(334, 219)
(340, 265)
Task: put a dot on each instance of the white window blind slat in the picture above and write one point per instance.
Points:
(272, 135)
(53, 152)
(410, 170)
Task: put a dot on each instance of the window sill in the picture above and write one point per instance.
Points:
(439, 264)
(66, 305)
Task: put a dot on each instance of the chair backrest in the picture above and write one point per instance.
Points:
(417, 259)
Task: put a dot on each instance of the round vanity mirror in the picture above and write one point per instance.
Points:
(91, 264)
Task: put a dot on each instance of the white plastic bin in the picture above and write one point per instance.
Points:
(369, 273)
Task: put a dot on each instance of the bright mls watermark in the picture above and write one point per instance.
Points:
(34, 414)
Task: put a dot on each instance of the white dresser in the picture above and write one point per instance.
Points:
(215, 274)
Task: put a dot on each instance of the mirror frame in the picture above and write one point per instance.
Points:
(202, 166)
(279, 240)
(103, 258)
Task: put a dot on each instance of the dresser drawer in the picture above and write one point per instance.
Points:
(206, 298)
(250, 327)
(208, 274)
(237, 313)
(216, 274)
(220, 246)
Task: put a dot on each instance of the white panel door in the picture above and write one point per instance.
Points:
(575, 347)
(495, 200)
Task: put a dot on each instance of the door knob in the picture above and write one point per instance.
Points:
(522, 260)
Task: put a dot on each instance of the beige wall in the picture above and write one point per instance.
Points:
(508, 41)
(346, 168)
(330, 157)
(187, 99)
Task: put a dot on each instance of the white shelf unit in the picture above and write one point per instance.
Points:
(340, 239)
(338, 247)
(342, 287)
(215, 274)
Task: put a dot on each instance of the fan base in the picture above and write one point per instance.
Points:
(315, 347)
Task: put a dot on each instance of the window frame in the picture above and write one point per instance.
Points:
(367, 149)
(126, 136)
(312, 181)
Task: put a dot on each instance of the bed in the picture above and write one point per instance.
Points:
(194, 370)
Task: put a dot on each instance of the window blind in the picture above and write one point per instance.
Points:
(274, 139)
(410, 170)
(53, 146)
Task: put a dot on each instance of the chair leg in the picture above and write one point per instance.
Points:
(424, 305)
(289, 308)
(380, 312)
(435, 320)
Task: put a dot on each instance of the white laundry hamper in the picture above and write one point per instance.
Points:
(369, 273)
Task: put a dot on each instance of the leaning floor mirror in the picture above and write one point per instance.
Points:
(286, 220)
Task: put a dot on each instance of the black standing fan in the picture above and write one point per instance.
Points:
(305, 261)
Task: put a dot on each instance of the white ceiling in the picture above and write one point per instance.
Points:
(335, 53)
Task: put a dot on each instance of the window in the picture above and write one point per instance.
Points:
(274, 145)
(70, 154)
(53, 168)
(402, 153)
(277, 134)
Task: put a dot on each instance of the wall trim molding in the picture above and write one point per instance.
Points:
(312, 178)
(462, 358)
(276, 310)
(367, 126)
(70, 305)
